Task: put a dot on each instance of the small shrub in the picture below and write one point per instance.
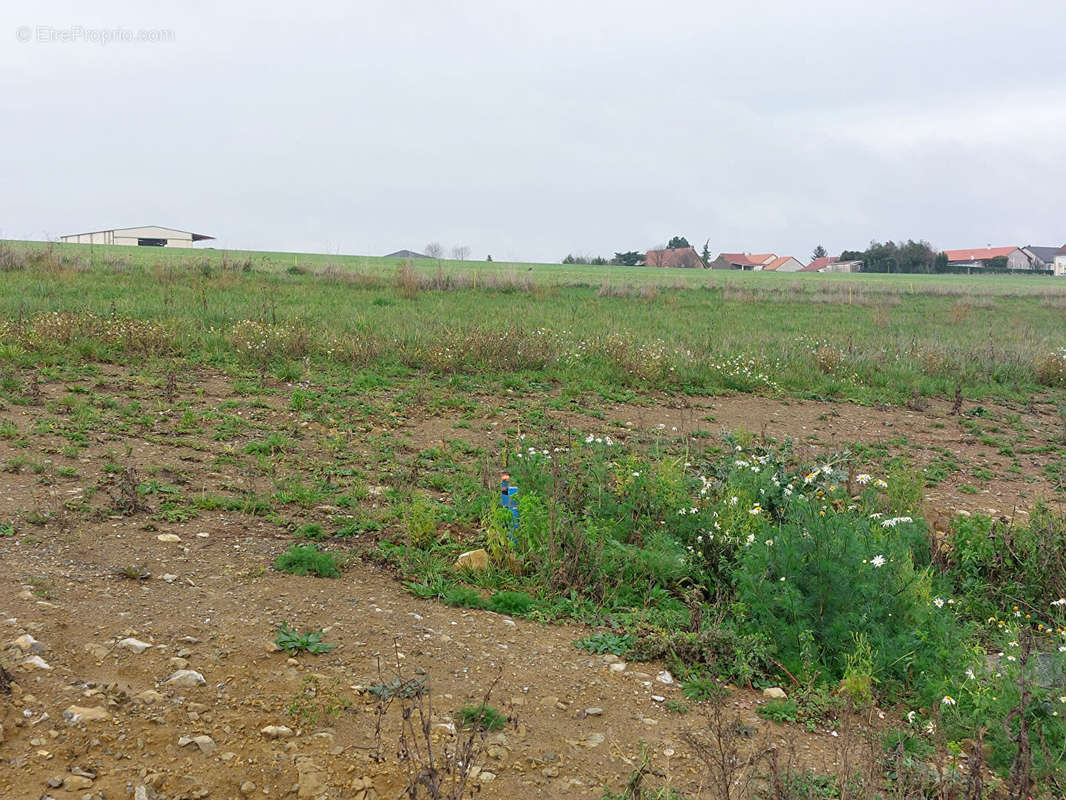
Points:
(308, 560)
(1051, 369)
(482, 717)
(514, 603)
(403, 688)
(464, 597)
(311, 530)
(420, 519)
(292, 641)
(779, 710)
(700, 687)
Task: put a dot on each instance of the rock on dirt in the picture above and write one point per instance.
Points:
(136, 645)
(185, 679)
(312, 781)
(205, 743)
(277, 732)
(477, 560)
(27, 644)
(78, 714)
(774, 693)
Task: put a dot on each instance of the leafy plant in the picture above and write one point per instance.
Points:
(292, 641)
(405, 688)
(606, 642)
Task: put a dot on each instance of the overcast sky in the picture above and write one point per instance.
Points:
(535, 129)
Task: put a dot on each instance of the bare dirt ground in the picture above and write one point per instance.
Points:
(94, 718)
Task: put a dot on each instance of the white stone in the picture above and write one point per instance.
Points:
(170, 538)
(185, 678)
(276, 732)
(37, 662)
(774, 693)
(665, 677)
(27, 644)
(136, 645)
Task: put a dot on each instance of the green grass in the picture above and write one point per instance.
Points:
(870, 338)
(308, 560)
(482, 716)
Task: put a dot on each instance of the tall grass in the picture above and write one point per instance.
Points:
(852, 342)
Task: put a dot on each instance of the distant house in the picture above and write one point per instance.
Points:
(833, 264)
(1059, 265)
(983, 258)
(820, 263)
(406, 254)
(677, 257)
(746, 261)
(1043, 256)
(144, 236)
(784, 264)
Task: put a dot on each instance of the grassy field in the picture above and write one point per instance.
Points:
(546, 274)
(872, 339)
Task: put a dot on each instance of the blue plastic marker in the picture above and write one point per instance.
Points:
(509, 500)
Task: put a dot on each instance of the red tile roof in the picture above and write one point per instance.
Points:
(820, 263)
(978, 253)
(747, 259)
(677, 257)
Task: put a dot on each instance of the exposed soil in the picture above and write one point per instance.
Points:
(211, 603)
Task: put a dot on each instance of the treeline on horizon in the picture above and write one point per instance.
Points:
(888, 257)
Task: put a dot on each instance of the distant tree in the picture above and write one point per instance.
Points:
(434, 250)
(676, 242)
(630, 258)
(819, 252)
(569, 259)
(598, 261)
(909, 256)
(488, 257)
(460, 252)
(940, 264)
(706, 254)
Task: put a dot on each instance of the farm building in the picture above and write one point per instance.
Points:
(146, 236)
(1044, 256)
(406, 254)
(984, 257)
(748, 261)
(784, 264)
(1060, 262)
(685, 257)
(833, 264)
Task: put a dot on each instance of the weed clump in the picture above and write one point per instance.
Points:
(516, 604)
(308, 560)
(481, 717)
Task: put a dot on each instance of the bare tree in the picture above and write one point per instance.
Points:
(460, 252)
(434, 250)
